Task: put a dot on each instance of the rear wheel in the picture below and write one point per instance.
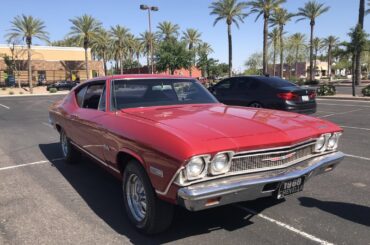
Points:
(256, 105)
(146, 212)
(70, 153)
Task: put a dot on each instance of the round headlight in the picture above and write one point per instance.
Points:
(195, 168)
(333, 141)
(220, 164)
(320, 144)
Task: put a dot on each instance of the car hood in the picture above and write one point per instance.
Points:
(242, 127)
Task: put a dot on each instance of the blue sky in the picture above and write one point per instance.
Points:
(186, 13)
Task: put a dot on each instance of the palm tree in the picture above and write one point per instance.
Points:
(311, 11)
(146, 39)
(192, 38)
(279, 18)
(137, 48)
(361, 16)
(101, 45)
(166, 30)
(330, 42)
(119, 35)
(85, 28)
(204, 49)
(26, 28)
(232, 12)
(317, 46)
(298, 41)
(265, 8)
(274, 40)
(368, 8)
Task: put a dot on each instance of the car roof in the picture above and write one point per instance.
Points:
(140, 76)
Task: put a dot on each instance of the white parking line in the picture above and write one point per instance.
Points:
(47, 124)
(366, 129)
(28, 164)
(356, 101)
(358, 157)
(6, 107)
(340, 113)
(286, 226)
(365, 106)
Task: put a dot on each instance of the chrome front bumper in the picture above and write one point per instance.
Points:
(252, 186)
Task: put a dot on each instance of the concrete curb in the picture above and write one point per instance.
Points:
(330, 97)
(28, 95)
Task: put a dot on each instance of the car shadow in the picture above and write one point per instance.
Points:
(349, 211)
(102, 193)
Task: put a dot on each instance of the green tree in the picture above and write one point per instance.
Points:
(298, 42)
(274, 40)
(360, 25)
(330, 42)
(27, 28)
(85, 28)
(167, 30)
(265, 8)
(232, 12)
(317, 46)
(279, 18)
(192, 38)
(172, 55)
(101, 46)
(311, 11)
(204, 49)
(254, 64)
(358, 43)
(146, 38)
(119, 36)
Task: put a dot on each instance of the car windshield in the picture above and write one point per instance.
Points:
(278, 82)
(156, 92)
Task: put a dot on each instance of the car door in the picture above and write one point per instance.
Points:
(86, 119)
(240, 94)
(223, 91)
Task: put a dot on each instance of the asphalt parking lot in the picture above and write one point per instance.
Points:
(45, 201)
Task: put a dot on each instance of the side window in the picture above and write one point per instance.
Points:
(243, 84)
(92, 96)
(226, 84)
(255, 84)
(80, 96)
(101, 106)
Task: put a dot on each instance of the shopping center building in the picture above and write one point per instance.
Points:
(51, 63)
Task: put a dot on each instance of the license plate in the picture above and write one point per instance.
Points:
(290, 187)
(305, 98)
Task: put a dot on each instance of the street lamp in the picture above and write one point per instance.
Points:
(149, 9)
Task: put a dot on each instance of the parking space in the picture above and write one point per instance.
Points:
(45, 201)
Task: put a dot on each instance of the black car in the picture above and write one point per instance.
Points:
(265, 92)
(62, 85)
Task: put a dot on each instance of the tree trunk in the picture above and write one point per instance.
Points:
(329, 64)
(315, 62)
(311, 51)
(265, 47)
(121, 64)
(361, 15)
(274, 58)
(296, 62)
(87, 64)
(105, 66)
(29, 68)
(353, 73)
(230, 49)
(281, 53)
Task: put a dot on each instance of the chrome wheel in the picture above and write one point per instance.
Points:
(64, 143)
(256, 105)
(136, 197)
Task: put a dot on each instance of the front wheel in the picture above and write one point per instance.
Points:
(256, 105)
(146, 212)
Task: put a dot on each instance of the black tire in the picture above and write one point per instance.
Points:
(255, 104)
(158, 214)
(70, 153)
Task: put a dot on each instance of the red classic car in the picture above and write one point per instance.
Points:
(172, 143)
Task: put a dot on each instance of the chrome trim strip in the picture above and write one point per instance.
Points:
(307, 142)
(97, 159)
(163, 193)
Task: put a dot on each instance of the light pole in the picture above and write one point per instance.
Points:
(150, 8)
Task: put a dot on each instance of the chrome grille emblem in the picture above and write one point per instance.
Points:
(279, 158)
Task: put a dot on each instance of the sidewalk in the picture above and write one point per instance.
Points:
(344, 97)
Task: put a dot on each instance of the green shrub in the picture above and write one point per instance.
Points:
(366, 91)
(53, 90)
(20, 92)
(11, 92)
(312, 82)
(326, 89)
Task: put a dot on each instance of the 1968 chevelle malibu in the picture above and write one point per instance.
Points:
(172, 143)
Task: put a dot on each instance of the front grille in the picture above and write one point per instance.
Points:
(271, 159)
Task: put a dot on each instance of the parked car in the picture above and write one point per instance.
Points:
(172, 143)
(265, 92)
(62, 85)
